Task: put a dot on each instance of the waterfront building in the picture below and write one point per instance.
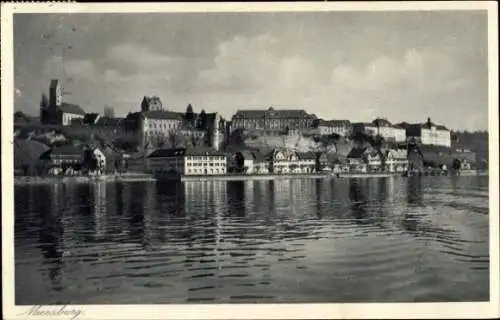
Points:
(290, 161)
(58, 112)
(339, 127)
(428, 133)
(249, 162)
(328, 161)
(187, 161)
(271, 119)
(101, 159)
(357, 161)
(396, 160)
(60, 159)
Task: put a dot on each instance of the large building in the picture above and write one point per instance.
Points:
(340, 127)
(56, 111)
(154, 124)
(187, 161)
(151, 104)
(272, 119)
(382, 128)
(428, 133)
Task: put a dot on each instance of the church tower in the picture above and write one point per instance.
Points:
(55, 94)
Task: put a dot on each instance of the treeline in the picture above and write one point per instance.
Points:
(476, 141)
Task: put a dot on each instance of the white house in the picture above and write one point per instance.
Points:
(429, 134)
(396, 160)
(190, 161)
(289, 161)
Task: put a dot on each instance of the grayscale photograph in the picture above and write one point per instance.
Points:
(250, 157)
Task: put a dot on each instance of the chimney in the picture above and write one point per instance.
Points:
(429, 121)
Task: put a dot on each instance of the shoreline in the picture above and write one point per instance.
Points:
(140, 177)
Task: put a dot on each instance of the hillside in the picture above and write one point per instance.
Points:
(474, 141)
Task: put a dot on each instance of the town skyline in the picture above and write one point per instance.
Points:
(416, 64)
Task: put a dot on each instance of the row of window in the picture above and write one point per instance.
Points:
(164, 125)
(205, 164)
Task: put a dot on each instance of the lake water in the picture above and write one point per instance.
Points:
(304, 240)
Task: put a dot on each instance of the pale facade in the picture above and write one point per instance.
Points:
(396, 161)
(340, 127)
(382, 128)
(158, 124)
(429, 134)
(191, 161)
(272, 119)
(435, 136)
(286, 161)
(67, 118)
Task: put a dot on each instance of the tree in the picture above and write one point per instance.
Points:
(109, 112)
(189, 116)
(44, 109)
(202, 121)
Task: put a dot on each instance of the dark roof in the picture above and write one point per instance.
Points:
(306, 155)
(428, 125)
(381, 122)
(196, 151)
(67, 150)
(27, 152)
(356, 153)
(161, 114)
(151, 100)
(272, 113)
(53, 83)
(71, 108)
(108, 121)
(90, 118)
(334, 123)
(134, 116)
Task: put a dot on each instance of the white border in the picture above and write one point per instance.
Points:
(254, 311)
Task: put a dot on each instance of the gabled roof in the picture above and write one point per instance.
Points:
(71, 108)
(381, 122)
(309, 155)
(90, 118)
(397, 153)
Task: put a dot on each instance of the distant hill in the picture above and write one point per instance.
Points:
(476, 141)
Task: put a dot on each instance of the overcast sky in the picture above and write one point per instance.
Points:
(338, 65)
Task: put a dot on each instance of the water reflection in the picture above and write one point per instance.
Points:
(358, 200)
(51, 231)
(414, 191)
(196, 240)
(237, 197)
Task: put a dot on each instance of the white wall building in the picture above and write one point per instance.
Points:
(429, 134)
(190, 161)
(340, 127)
(289, 161)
